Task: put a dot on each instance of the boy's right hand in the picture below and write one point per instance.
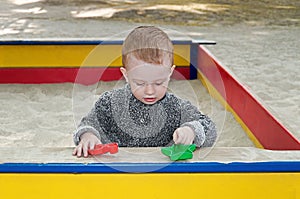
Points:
(88, 141)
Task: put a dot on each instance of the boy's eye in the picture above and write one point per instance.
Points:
(158, 83)
(139, 83)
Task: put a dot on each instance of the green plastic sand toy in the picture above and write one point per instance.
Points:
(179, 151)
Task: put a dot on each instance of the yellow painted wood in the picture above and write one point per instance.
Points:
(182, 55)
(181, 185)
(73, 55)
(215, 94)
(59, 55)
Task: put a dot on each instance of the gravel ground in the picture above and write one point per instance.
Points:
(257, 40)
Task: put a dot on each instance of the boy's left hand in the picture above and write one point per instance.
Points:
(184, 135)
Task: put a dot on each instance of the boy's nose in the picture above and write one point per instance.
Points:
(149, 89)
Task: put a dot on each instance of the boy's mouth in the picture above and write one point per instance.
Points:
(149, 99)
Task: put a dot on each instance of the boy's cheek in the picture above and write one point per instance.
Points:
(135, 89)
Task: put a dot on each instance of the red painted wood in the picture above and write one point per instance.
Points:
(84, 76)
(265, 127)
(58, 75)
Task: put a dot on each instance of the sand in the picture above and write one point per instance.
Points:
(262, 50)
(38, 120)
(43, 115)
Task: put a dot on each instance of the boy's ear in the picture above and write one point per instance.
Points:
(172, 69)
(124, 73)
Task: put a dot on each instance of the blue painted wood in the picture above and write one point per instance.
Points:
(87, 42)
(175, 167)
(193, 60)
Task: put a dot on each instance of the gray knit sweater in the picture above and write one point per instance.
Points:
(119, 117)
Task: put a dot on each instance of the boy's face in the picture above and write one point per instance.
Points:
(148, 82)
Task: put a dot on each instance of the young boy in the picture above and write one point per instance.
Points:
(143, 113)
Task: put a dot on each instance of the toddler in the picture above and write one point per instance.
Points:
(143, 113)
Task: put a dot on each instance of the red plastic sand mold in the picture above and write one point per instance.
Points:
(104, 148)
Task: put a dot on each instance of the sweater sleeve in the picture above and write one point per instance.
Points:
(204, 128)
(92, 122)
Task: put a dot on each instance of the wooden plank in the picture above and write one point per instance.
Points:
(181, 185)
(269, 132)
(16, 56)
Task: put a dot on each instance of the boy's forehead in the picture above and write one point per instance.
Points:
(133, 61)
(149, 72)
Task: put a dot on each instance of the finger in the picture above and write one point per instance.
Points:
(85, 150)
(191, 137)
(79, 149)
(179, 139)
(190, 141)
(74, 151)
(175, 137)
(184, 139)
(98, 142)
(92, 145)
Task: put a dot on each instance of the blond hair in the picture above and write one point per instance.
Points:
(149, 44)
